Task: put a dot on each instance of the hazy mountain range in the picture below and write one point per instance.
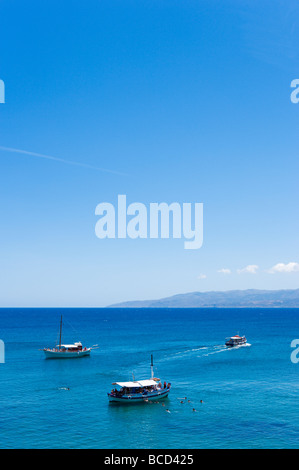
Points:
(229, 299)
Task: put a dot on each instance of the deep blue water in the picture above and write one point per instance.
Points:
(250, 394)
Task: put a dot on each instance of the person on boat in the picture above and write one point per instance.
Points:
(164, 384)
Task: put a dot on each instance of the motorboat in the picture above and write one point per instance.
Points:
(235, 341)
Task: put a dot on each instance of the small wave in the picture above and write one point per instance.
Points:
(214, 352)
(240, 346)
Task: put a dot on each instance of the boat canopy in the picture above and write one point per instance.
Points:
(147, 383)
(137, 384)
(68, 346)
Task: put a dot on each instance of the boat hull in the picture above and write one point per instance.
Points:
(233, 345)
(136, 398)
(66, 354)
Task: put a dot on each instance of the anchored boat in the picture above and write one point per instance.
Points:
(235, 341)
(139, 391)
(66, 351)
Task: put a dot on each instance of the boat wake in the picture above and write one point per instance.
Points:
(201, 352)
(223, 348)
(214, 350)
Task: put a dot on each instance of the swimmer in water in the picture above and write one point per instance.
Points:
(167, 411)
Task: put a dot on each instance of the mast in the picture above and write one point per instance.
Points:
(60, 332)
(152, 367)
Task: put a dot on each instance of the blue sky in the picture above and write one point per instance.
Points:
(181, 101)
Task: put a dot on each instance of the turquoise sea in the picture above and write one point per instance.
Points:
(249, 394)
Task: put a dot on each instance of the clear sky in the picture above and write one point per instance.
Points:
(185, 101)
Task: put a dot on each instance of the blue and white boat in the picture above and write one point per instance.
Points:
(139, 391)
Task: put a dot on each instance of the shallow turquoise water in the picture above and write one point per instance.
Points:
(250, 394)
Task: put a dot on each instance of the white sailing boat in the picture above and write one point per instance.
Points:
(66, 351)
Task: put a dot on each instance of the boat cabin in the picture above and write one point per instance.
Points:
(236, 340)
(70, 347)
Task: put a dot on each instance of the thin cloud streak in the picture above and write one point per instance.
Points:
(49, 157)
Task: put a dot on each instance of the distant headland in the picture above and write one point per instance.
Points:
(251, 298)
